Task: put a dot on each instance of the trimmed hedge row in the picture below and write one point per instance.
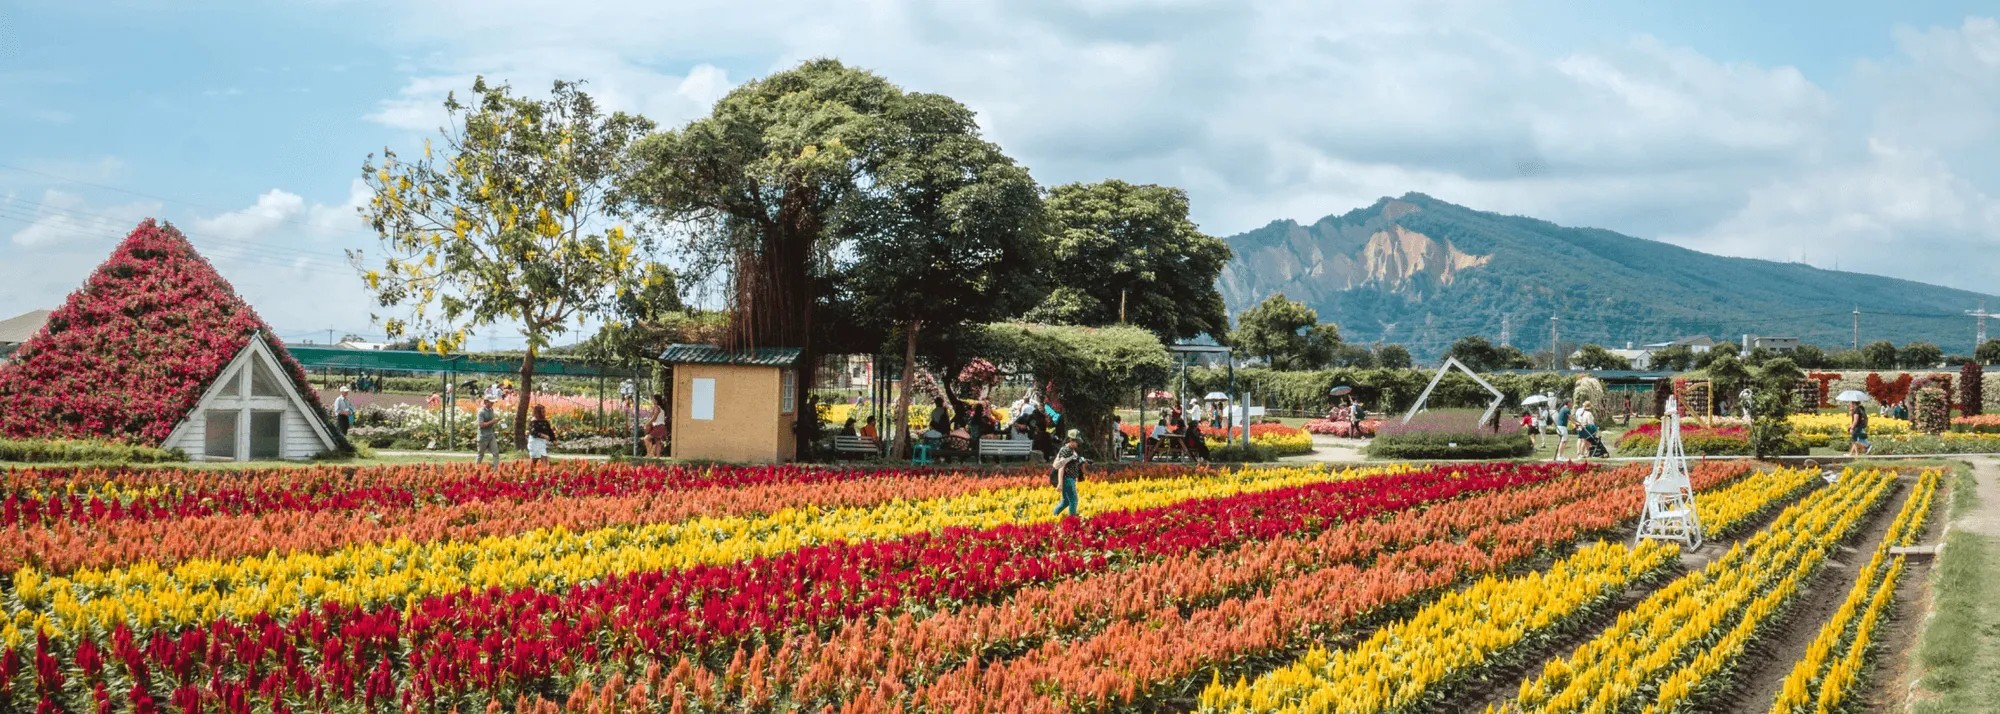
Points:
(1446, 445)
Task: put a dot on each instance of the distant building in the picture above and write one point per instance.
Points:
(1641, 359)
(1774, 344)
(16, 330)
(1696, 344)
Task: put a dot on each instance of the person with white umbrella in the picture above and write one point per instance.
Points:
(1857, 429)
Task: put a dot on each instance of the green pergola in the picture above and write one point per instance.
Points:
(312, 357)
(450, 367)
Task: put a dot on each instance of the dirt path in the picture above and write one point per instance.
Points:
(1984, 519)
(1771, 657)
(1331, 450)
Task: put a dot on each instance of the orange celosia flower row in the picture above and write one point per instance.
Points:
(891, 654)
(1304, 587)
(70, 546)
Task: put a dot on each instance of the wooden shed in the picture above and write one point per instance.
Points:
(734, 405)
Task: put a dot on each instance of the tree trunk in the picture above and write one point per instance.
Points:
(902, 443)
(521, 399)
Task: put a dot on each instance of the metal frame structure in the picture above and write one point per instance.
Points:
(1450, 362)
(1670, 512)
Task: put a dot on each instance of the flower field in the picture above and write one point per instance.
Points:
(591, 587)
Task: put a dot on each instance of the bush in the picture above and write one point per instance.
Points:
(56, 450)
(1450, 445)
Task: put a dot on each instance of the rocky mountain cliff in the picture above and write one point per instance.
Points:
(1423, 272)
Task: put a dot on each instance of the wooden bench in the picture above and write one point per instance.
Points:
(856, 446)
(1006, 449)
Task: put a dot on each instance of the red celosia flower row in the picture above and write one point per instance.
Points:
(45, 497)
(494, 643)
(888, 655)
(129, 355)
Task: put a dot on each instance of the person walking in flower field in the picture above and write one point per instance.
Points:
(1064, 473)
(489, 423)
(1857, 430)
(343, 412)
(540, 435)
(1562, 429)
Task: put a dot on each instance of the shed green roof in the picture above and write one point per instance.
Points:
(710, 354)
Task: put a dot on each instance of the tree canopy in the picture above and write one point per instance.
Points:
(1920, 355)
(1287, 334)
(1393, 357)
(512, 220)
(1476, 354)
(1114, 243)
(943, 237)
(1595, 357)
(1676, 358)
(1988, 352)
(761, 182)
(1880, 354)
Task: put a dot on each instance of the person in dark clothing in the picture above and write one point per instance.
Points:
(847, 429)
(1197, 447)
(940, 421)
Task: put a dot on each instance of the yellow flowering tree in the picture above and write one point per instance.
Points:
(512, 220)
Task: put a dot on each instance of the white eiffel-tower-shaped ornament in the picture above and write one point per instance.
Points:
(1670, 513)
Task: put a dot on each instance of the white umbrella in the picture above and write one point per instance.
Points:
(1534, 400)
(1217, 397)
(1852, 395)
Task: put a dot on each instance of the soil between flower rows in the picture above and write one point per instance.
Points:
(1770, 657)
(1503, 682)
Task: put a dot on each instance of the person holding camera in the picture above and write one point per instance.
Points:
(1064, 473)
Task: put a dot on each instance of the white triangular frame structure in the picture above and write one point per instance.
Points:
(304, 431)
(1670, 512)
(1450, 362)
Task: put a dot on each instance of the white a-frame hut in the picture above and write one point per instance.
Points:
(251, 412)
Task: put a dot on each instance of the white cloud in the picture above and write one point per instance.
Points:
(1298, 108)
(63, 220)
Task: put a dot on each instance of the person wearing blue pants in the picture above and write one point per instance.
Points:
(1068, 467)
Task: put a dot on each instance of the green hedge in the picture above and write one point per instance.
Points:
(1446, 445)
(64, 450)
(1383, 390)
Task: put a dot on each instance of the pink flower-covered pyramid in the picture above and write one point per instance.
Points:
(129, 355)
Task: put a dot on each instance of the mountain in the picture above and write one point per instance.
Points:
(1423, 272)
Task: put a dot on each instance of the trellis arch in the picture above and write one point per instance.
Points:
(1450, 362)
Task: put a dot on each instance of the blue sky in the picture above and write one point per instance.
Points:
(1851, 131)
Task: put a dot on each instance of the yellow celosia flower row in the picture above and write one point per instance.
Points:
(1669, 638)
(399, 572)
(1745, 499)
(1837, 425)
(1401, 663)
(1322, 681)
(1824, 677)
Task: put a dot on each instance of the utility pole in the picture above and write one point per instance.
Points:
(1504, 319)
(1857, 328)
(1555, 344)
(1982, 314)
